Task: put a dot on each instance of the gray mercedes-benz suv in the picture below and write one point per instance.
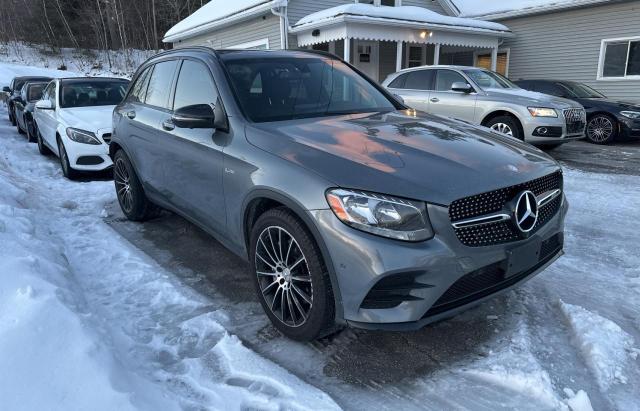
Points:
(486, 98)
(350, 207)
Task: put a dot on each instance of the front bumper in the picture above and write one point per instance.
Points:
(361, 260)
(88, 157)
(629, 128)
(557, 129)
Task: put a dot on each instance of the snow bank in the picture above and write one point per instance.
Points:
(607, 349)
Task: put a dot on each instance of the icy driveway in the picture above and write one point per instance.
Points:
(161, 304)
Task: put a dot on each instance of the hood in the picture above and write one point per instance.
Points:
(526, 97)
(404, 153)
(608, 104)
(88, 118)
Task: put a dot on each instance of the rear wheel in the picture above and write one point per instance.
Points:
(506, 125)
(291, 280)
(602, 129)
(68, 172)
(131, 196)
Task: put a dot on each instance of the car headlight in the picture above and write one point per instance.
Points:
(82, 136)
(631, 114)
(542, 112)
(382, 215)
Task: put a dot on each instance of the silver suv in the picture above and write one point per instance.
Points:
(489, 99)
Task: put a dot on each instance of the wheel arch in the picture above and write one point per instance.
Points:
(503, 112)
(262, 200)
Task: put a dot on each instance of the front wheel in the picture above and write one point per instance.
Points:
(506, 125)
(131, 196)
(602, 129)
(68, 172)
(290, 276)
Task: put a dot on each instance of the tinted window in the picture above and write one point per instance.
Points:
(283, 88)
(446, 78)
(194, 86)
(35, 92)
(139, 88)
(398, 82)
(615, 59)
(160, 84)
(552, 89)
(581, 90)
(420, 80)
(92, 93)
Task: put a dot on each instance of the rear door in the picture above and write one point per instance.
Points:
(414, 87)
(193, 165)
(449, 103)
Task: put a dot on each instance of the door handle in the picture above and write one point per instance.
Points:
(434, 100)
(168, 125)
(131, 114)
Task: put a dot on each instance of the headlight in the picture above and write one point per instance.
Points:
(631, 114)
(542, 112)
(82, 136)
(382, 215)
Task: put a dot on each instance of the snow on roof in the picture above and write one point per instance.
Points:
(403, 13)
(216, 13)
(512, 8)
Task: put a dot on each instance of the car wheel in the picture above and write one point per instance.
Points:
(30, 131)
(506, 125)
(602, 129)
(12, 116)
(42, 148)
(20, 130)
(68, 172)
(290, 276)
(133, 201)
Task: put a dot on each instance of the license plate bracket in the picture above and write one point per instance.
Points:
(523, 258)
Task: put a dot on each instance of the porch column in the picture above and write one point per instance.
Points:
(347, 50)
(494, 59)
(399, 55)
(436, 54)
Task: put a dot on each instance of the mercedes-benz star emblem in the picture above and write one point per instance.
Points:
(526, 212)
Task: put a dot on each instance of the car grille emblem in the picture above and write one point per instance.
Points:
(526, 212)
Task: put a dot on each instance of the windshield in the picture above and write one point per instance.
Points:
(92, 93)
(489, 79)
(581, 90)
(272, 89)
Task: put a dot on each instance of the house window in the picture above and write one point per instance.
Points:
(619, 59)
(391, 3)
(484, 61)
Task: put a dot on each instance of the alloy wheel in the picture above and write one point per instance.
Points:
(502, 128)
(599, 129)
(283, 276)
(123, 185)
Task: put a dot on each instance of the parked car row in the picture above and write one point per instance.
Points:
(351, 207)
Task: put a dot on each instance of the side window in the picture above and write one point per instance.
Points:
(50, 94)
(194, 86)
(399, 81)
(139, 89)
(446, 78)
(420, 80)
(160, 84)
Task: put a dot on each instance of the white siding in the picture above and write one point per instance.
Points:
(566, 45)
(258, 28)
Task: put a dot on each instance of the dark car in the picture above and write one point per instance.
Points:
(24, 106)
(14, 89)
(350, 207)
(607, 120)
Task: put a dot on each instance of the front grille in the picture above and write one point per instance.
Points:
(107, 138)
(490, 279)
(495, 201)
(575, 119)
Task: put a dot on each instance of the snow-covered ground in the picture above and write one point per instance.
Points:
(96, 314)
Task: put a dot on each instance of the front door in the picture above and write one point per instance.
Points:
(446, 102)
(366, 57)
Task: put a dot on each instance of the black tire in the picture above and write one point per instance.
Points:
(311, 277)
(12, 116)
(131, 196)
(68, 172)
(510, 122)
(31, 133)
(601, 129)
(20, 130)
(42, 148)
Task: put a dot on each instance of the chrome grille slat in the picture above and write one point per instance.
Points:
(576, 120)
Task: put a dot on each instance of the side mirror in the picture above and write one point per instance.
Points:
(6, 89)
(44, 105)
(195, 116)
(399, 98)
(461, 87)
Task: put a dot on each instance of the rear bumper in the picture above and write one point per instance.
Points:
(361, 261)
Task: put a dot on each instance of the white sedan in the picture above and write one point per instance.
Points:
(73, 121)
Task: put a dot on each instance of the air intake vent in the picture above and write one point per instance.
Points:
(393, 290)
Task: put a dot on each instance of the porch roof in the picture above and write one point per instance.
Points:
(404, 23)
